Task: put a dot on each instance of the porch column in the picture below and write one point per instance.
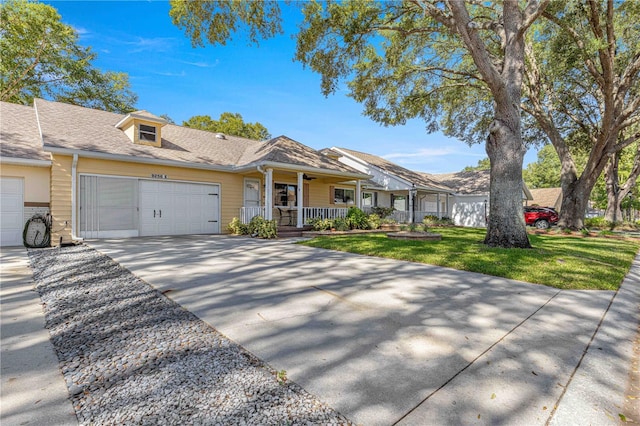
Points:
(358, 194)
(410, 206)
(300, 200)
(268, 195)
(447, 205)
(438, 206)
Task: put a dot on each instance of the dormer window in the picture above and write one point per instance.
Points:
(147, 133)
(142, 128)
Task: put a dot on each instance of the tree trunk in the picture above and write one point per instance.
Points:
(506, 227)
(575, 200)
(613, 213)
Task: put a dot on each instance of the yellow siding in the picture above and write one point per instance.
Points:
(231, 185)
(36, 181)
(60, 198)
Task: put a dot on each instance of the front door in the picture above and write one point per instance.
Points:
(251, 193)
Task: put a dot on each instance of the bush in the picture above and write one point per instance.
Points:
(599, 222)
(374, 221)
(382, 212)
(320, 224)
(237, 228)
(258, 227)
(432, 220)
(341, 224)
(357, 219)
(262, 228)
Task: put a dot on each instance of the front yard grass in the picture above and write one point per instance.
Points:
(565, 262)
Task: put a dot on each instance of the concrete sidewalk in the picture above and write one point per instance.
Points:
(32, 390)
(381, 341)
(388, 342)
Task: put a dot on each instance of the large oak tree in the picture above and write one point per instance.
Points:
(432, 59)
(583, 91)
(41, 58)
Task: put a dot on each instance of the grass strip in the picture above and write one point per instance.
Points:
(564, 262)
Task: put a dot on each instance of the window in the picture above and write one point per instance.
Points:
(147, 133)
(399, 202)
(286, 194)
(345, 196)
(369, 199)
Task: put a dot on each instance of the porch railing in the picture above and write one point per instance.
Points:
(400, 216)
(322, 212)
(247, 213)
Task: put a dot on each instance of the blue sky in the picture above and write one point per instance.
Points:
(262, 83)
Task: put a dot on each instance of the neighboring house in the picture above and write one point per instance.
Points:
(392, 185)
(103, 175)
(470, 205)
(546, 197)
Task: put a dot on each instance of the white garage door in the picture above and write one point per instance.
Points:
(11, 211)
(177, 208)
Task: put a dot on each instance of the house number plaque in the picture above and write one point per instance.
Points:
(158, 176)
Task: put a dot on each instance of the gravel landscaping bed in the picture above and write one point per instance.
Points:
(130, 355)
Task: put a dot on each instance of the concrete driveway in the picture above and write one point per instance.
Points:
(381, 341)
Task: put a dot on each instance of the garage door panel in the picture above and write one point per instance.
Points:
(11, 211)
(180, 208)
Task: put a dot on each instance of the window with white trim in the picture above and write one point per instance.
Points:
(344, 196)
(147, 133)
(369, 199)
(286, 194)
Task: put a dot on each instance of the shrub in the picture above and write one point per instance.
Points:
(262, 228)
(374, 221)
(341, 224)
(430, 220)
(357, 219)
(382, 212)
(237, 228)
(320, 224)
(599, 223)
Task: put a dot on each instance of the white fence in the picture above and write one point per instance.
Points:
(400, 216)
(247, 213)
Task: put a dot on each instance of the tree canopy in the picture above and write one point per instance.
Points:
(230, 124)
(484, 164)
(583, 90)
(41, 58)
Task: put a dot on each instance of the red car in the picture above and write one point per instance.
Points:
(540, 217)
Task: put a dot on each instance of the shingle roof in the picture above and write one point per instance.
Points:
(469, 182)
(286, 150)
(420, 180)
(76, 128)
(474, 182)
(19, 136)
(546, 197)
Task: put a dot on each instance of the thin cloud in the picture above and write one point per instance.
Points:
(171, 74)
(425, 153)
(202, 64)
(155, 44)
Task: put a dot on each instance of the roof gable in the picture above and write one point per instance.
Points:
(420, 180)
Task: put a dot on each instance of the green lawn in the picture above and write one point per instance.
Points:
(565, 262)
